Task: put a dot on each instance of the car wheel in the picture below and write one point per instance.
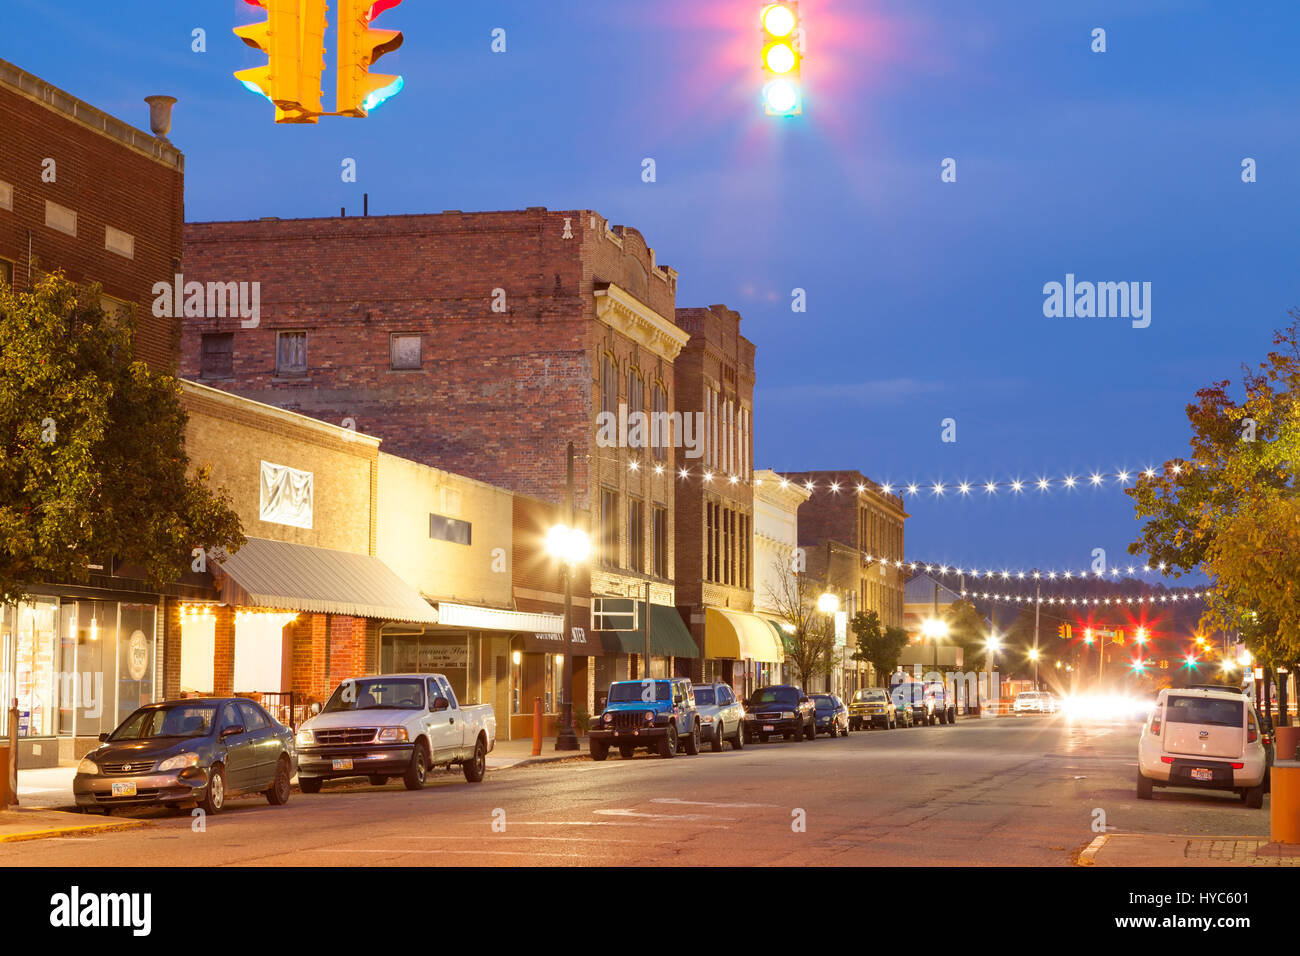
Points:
(719, 741)
(1253, 797)
(891, 723)
(599, 749)
(811, 730)
(844, 730)
(738, 742)
(278, 793)
(376, 780)
(668, 742)
(418, 769)
(1144, 786)
(693, 740)
(476, 766)
(310, 784)
(214, 794)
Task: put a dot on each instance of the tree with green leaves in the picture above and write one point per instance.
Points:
(968, 630)
(877, 645)
(94, 462)
(1232, 509)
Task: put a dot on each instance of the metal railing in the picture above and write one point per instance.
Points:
(283, 705)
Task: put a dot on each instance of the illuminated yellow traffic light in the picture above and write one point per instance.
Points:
(359, 90)
(293, 39)
(781, 57)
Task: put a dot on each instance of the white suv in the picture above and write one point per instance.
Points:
(1203, 738)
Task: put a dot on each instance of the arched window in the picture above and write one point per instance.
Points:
(660, 428)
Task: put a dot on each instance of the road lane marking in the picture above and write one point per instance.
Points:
(456, 852)
(661, 816)
(705, 803)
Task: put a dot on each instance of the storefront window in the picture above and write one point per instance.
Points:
(135, 658)
(35, 666)
(446, 654)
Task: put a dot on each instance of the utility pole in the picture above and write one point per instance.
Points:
(567, 737)
(1038, 604)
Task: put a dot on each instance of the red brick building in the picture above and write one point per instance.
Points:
(85, 192)
(715, 506)
(480, 343)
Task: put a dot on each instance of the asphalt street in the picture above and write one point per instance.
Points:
(1024, 791)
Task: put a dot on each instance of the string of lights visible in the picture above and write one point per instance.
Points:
(937, 489)
(1006, 575)
(1087, 602)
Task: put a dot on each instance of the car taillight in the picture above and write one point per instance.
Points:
(1251, 733)
(1238, 766)
(1155, 724)
(1166, 759)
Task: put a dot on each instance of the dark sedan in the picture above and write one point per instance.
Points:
(779, 710)
(832, 715)
(198, 751)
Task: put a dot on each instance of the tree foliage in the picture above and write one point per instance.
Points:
(1231, 510)
(94, 463)
(810, 636)
(877, 645)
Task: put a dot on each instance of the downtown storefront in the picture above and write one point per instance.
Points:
(742, 650)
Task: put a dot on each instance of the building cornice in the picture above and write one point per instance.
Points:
(77, 111)
(629, 316)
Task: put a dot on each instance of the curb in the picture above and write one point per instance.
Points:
(535, 761)
(1089, 855)
(68, 831)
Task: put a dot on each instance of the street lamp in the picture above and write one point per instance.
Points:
(828, 604)
(569, 546)
(936, 629)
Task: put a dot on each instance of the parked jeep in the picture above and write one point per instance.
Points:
(657, 714)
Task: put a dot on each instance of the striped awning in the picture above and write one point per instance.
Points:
(296, 577)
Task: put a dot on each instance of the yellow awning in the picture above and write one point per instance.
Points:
(738, 635)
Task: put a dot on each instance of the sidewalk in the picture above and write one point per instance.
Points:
(519, 753)
(1155, 849)
(22, 823)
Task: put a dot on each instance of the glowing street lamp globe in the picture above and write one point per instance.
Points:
(828, 603)
(569, 545)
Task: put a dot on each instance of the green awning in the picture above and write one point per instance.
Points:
(782, 638)
(668, 634)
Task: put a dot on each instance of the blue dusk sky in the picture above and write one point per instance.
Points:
(924, 298)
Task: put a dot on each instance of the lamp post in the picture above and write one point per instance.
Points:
(994, 644)
(828, 604)
(570, 546)
(934, 628)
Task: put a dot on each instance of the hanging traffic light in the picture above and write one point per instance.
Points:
(293, 39)
(359, 90)
(782, 55)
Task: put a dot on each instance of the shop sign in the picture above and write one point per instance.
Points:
(444, 655)
(137, 655)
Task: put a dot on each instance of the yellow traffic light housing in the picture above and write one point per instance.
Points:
(293, 39)
(359, 90)
(782, 56)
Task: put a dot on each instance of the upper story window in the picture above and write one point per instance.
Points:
(290, 353)
(217, 355)
(6, 196)
(608, 384)
(404, 351)
(6, 272)
(659, 408)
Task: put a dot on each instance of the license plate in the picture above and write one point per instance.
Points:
(125, 789)
(1200, 773)
(343, 764)
(767, 727)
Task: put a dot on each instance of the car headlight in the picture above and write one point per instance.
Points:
(306, 738)
(88, 767)
(607, 718)
(706, 719)
(179, 762)
(391, 734)
(787, 714)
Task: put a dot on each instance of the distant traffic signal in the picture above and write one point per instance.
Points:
(359, 90)
(293, 39)
(782, 54)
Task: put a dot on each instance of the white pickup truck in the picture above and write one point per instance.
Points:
(397, 725)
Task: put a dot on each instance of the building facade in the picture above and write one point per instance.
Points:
(86, 193)
(776, 543)
(848, 518)
(715, 504)
(484, 344)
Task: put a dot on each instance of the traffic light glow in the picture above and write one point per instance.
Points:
(777, 20)
(377, 97)
(779, 58)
